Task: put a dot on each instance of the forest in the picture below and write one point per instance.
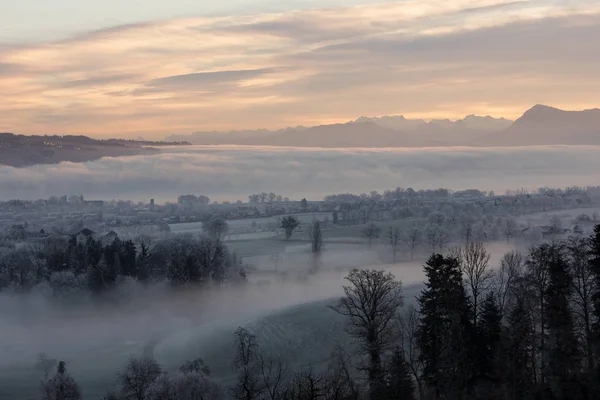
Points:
(528, 329)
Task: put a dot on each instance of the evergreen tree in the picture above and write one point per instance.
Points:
(93, 251)
(289, 224)
(127, 256)
(444, 331)
(489, 338)
(564, 358)
(399, 383)
(95, 277)
(518, 353)
(595, 268)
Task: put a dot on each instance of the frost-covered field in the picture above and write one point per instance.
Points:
(247, 224)
(302, 336)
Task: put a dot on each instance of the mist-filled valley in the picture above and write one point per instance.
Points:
(231, 172)
(300, 200)
(286, 308)
(196, 298)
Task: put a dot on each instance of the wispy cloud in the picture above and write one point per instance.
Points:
(421, 58)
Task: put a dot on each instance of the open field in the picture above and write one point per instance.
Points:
(246, 224)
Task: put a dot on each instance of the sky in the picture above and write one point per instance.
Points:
(150, 68)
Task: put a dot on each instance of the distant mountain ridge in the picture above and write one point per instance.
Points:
(442, 131)
(545, 125)
(540, 125)
(387, 131)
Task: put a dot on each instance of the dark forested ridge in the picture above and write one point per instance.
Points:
(23, 150)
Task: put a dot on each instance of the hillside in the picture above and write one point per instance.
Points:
(544, 125)
(23, 150)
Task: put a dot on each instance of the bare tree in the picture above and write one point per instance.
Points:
(275, 259)
(273, 375)
(474, 260)
(195, 386)
(412, 238)
(138, 375)
(437, 218)
(45, 364)
(189, 385)
(61, 386)
(437, 236)
(316, 244)
(342, 385)
(258, 377)
(316, 237)
(145, 246)
(537, 280)
(394, 237)
(307, 385)
(584, 287)
(371, 232)
(511, 269)
(408, 328)
(467, 228)
(216, 228)
(509, 229)
(248, 386)
(371, 302)
(556, 225)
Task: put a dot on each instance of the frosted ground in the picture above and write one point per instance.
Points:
(251, 228)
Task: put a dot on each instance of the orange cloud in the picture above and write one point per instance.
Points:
(420, 58)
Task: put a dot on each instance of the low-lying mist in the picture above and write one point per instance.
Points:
(134, 312)
(232, 172)
(96, 337)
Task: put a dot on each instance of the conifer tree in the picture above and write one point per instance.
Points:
(564, 361)
(444, 331)
(489, 338)
(399, 383)
(595, 268)
(518, 352)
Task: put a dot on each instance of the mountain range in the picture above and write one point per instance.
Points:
(540, 125)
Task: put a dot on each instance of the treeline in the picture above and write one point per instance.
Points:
(402, 203)
(529, 329)
(79, 264)
(269, 198)
(441, 193)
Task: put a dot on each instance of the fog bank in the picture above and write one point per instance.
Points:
(232, 172)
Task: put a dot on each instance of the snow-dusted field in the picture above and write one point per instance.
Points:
(247, 223)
